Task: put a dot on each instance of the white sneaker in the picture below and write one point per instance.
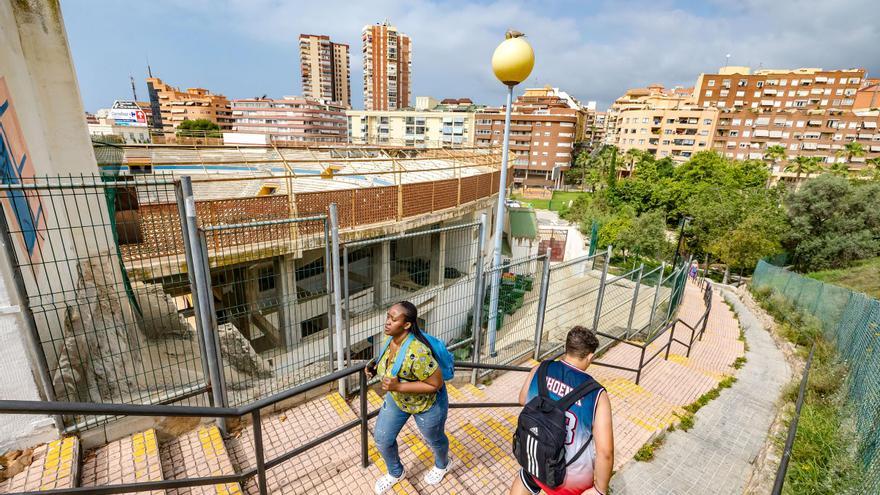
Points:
(386, 482)
(435, 475)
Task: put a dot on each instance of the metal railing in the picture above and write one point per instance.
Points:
(696, 333)
(793, 426)
(252, 409)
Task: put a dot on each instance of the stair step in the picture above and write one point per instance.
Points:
(54, 465)
(292, 428)
(134, 459)
(199, 453)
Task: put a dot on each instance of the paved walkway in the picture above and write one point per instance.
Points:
(715, 456)
(479, 438)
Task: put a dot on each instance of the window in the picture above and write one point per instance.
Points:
(710, 83)
(708, 92)
(266, 279)
(314, 325)
(759, 84)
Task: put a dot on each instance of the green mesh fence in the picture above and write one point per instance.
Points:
(852, 321)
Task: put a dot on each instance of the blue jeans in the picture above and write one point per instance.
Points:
(432, 424)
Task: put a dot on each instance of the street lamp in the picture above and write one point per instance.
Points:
(684, 221)
(512, 63)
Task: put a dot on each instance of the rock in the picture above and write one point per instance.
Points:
(101, 357)
(238, 352)
(160, 317)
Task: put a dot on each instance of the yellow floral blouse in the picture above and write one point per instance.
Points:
(417, 366)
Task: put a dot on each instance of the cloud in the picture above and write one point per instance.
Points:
(595, 50)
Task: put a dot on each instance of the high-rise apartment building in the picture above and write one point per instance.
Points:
(387, 67)
(170, 106)
(809, 112)
(662, 122)
(325, 69)
(291, 119)
(543, 129)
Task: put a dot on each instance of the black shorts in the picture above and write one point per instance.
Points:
(529, 482)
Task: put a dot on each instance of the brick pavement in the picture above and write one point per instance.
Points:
(129, 460)
(479, 438)
(715, 456)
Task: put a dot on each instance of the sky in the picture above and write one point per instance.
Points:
(594, 50)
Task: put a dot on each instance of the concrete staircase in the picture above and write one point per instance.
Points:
(480, 438)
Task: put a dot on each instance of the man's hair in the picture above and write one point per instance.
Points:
(580, 342)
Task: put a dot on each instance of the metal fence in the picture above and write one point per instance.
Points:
(851, 320)
(436, 269)
(103, 330)
(136, 291)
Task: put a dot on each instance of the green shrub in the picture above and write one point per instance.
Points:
(823, 460)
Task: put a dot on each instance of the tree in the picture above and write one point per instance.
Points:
(802, 165)
(839, 169)
(630, 158)
(851, 150)
(756, 237)
(833, 222)
(645, 235)
(198, 128)
(775, 153)
(872, 168)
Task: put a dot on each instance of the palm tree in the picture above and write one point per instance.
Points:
(631, 156)
(872, 163)
(802, 165)
(775, 153)
(851, 150)
(839, 169)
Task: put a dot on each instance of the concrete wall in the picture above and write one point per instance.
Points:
(41, 87)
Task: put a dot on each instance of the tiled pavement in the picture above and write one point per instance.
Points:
(715, 456)
(480, 438)
(129, 460)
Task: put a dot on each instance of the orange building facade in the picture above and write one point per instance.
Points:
(387, 68)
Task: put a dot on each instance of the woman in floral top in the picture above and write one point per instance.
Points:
(417, 390)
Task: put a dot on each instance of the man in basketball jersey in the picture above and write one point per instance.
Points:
(588, 420)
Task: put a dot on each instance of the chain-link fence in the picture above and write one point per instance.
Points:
(852, 321)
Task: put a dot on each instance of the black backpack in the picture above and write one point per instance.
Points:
(539, 440)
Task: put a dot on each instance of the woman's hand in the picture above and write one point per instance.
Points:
(369, 371)
(390, 384)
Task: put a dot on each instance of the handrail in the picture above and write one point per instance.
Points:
(254, 408)
(116, 409)
(792, 429)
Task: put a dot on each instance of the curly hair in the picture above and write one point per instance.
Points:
(580, 342)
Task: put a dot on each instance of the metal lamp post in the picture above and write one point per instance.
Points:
(512, 63)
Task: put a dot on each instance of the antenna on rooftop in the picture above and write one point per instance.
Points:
(149, 70)
(134, 94)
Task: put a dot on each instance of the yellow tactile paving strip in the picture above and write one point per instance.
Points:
(199, 453)
(129, 460)
(53, 467)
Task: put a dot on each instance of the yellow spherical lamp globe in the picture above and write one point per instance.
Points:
(513, 60)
